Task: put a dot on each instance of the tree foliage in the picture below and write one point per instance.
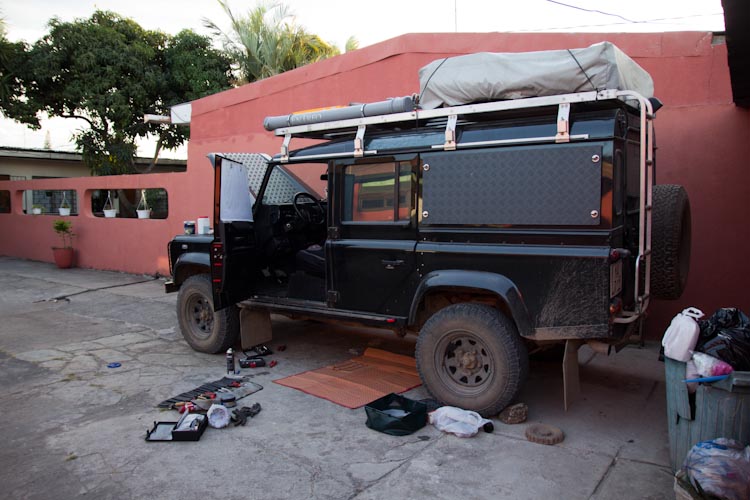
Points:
(108, 71)
(268, 41)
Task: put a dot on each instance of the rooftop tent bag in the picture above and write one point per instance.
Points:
(489, 76)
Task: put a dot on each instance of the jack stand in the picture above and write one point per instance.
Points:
(571, 380)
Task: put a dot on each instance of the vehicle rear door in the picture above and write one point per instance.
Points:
(234, 268)
(372, 241)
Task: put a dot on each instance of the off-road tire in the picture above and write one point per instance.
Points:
(670, 241)
(504, 362)
(203, 328)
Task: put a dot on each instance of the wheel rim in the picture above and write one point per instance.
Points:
(200, 316)
(464, 363)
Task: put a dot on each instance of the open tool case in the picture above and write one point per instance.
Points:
(166, 431)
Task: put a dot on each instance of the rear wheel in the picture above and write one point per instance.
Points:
(203, 328)
(670, 236)
(471, 356)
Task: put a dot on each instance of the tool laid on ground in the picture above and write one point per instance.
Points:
(260, 350)
(241, 388)
(240, 415)
(254, 362)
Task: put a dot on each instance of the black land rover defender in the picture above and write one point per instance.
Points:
(489, 230)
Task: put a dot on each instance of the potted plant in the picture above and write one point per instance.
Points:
(64, 255)
(36, 209)
(109, 208)
(143, 210)
(64, 207)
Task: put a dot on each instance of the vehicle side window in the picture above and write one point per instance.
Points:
(377, 192)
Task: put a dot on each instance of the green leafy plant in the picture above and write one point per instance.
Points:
(36, 205)
(64, 229)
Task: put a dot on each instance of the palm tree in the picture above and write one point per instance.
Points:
(267, 41)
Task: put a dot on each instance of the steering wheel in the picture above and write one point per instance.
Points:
(316, 215)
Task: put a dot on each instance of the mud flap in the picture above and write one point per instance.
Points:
(255, 327)
(571, 380)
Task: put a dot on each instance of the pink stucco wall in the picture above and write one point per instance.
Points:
(702, 139)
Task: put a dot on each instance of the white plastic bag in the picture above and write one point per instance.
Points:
(218, 416)
(462, 423)
(680, 338)
(708, 366)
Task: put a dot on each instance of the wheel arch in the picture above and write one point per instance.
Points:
(454, 284)
(190, 264)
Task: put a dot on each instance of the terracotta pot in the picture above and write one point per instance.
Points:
(63, 257)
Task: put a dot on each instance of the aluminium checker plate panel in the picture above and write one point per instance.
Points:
(553, 185)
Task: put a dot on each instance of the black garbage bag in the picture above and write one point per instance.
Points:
(726, 336)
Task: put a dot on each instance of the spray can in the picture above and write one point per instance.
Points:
(230, 361)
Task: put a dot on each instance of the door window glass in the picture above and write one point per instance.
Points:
(374, 193)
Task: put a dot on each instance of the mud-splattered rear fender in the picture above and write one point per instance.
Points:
(190, 263)
(456, 279)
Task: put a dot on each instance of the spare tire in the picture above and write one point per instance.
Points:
(670, 241)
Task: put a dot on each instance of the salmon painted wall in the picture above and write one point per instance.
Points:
(702, 139)
(130, 245)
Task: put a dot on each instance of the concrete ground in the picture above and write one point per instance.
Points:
(74, 428)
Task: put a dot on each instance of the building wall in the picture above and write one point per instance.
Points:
(702, 138)
(31, 168)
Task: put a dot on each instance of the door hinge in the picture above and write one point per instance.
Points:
(332, 297)
(333, 233)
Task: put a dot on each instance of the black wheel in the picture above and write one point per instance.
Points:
(204, 329)
(471, 356)
(670, 241)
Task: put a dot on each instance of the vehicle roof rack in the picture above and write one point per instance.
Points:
(357, 127)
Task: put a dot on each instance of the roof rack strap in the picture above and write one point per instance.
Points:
(359, 141)
(563, 122)
(450, 133)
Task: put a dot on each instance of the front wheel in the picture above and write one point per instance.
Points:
(204, 329)
(471, 356)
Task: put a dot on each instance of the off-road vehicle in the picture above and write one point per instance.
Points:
(488, 230)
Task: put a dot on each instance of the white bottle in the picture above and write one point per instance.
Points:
(201, 225)
(682, 335)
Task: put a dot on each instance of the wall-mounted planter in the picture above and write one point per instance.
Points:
(144, 214)
(64, 211)
(36, 211)
(110, 213)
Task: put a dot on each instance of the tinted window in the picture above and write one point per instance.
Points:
(377, 192)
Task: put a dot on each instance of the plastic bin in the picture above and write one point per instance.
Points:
(721, 409)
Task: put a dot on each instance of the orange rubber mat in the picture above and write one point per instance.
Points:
(356, 382)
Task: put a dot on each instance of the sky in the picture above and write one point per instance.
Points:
(336, 20)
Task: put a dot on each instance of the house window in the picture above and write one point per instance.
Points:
(377, 192)
(125, 203)
(50, 201)
(4, 202)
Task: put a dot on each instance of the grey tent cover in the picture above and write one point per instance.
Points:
(488, 76)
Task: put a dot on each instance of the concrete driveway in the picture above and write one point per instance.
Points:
(74, 428)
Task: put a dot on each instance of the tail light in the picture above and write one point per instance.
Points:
(615, 306)
(217, 261)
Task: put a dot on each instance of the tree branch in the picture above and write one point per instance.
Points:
(91, 123)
